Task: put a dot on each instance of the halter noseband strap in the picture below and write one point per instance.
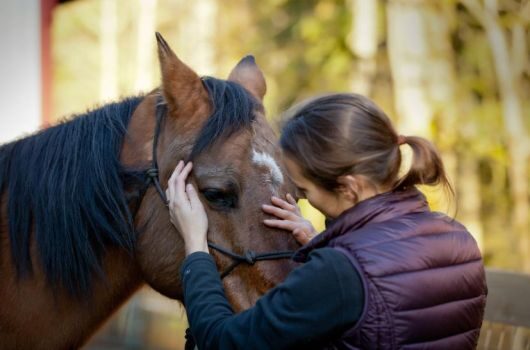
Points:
(249, 258)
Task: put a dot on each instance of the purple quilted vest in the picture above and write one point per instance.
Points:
(422, 272)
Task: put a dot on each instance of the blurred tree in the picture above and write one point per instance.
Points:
(508, 67)
(108, 50)
(191, 27)
(408, 50)
(305, 51)
(423, 69)
(364, 42)
(145, 47)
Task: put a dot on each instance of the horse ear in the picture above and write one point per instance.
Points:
(248, 74)
(178, 80)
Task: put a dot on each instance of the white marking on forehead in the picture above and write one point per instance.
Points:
(264, 159)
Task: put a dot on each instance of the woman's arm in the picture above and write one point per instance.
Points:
(315, 304)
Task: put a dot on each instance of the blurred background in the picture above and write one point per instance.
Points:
(456, 72)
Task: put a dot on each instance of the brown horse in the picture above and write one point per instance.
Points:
(79, 230)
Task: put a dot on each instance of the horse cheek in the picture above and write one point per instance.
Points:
(160, 255)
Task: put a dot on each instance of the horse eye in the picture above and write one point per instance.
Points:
(220, 199)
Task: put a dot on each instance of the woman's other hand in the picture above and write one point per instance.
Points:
(186, 211)
(289, 218)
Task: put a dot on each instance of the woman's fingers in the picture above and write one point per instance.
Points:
(176, 191)
(282, 224)
(186, 170)
(301, 236)
(170, 192)
(293, 202)
(291, 199)
(181, 182)
(192, 195)
(177, 170)
(283, 204)
(279, 212)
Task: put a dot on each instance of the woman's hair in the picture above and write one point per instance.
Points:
(340, 134)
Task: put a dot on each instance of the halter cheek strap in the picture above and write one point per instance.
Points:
(152, 174)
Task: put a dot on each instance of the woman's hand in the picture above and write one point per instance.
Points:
(186, 210)
(289, 218)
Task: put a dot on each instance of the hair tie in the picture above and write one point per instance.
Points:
(401, 140)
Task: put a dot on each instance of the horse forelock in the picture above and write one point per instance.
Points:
(65, 191)
(233, 110)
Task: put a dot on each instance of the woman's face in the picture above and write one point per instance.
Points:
(330, 204)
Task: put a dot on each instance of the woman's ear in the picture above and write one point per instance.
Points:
(350, 187)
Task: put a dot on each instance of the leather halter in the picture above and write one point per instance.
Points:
(152, 178)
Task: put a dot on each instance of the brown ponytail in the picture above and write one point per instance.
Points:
(426, 166)
(340, 134)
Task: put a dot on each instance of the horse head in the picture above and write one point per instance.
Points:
(220, 125)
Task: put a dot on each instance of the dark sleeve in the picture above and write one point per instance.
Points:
(316, 303)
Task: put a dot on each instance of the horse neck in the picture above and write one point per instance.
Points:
(122, 280)
(37, 316)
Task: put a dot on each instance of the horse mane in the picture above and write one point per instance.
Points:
(66, 185)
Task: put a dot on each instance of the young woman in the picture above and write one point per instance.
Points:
(387, 273)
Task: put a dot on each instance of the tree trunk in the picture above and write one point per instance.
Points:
(145, 48)
(197, 30)
(518, 145)
(408, 50)
(423, 70)
(363, 42)
(109, 50)
(441, 81)
(469, 197)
